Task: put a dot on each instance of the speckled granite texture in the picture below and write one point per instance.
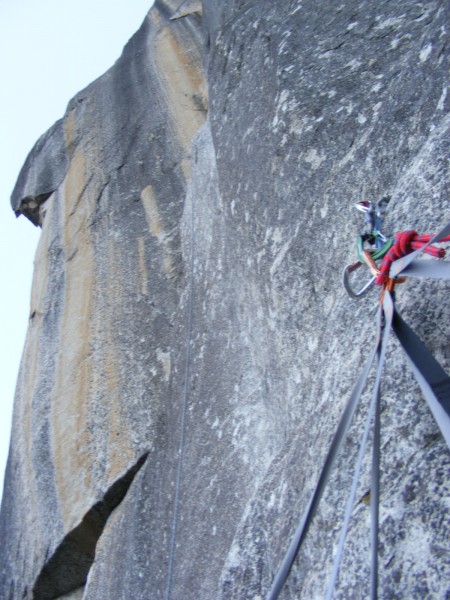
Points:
(191, 346)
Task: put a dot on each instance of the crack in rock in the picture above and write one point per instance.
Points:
(68, 567)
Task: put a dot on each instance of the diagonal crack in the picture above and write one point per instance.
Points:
(67, 569)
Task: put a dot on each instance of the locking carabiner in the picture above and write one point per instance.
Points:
(346, 281)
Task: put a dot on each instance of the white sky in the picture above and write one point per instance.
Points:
(49, 51)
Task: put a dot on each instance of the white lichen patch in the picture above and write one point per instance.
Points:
(349, 108)
(376, 107)
(328, 303)
(312, 343)
(281, 107)
(440, 104)
(314, 158)
(425, 52)
(279, 257)
(386, 23)
(277, 235)
(353, 64)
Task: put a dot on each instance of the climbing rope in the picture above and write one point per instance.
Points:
(183, 412)
(400, 255)
(404, 243)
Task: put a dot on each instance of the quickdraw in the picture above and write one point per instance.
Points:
(400, 255)
(371, 245)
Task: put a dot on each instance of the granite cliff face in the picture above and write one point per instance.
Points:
(190, 346)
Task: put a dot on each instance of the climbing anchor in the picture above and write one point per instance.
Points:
(371, 245)
(400, 256)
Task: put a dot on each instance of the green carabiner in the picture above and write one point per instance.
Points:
(376, 255)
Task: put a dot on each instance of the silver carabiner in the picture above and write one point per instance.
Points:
(346, 281)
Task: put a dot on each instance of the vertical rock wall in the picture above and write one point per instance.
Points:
(190, 346)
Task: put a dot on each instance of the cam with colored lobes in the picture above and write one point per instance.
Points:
(400, 245)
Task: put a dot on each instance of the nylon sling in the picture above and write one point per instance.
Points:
(339, 436)
(433, 380)
(435, 385)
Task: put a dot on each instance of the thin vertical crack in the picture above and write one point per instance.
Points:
(185, 399)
